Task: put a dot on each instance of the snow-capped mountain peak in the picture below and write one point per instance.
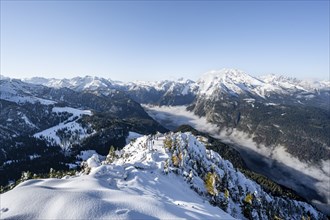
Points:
(233, 74)
(230, 81)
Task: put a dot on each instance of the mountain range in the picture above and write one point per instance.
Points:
(275, 110)
(46, 123)
(181, 92)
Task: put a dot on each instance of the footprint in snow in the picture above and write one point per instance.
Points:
(122, 211)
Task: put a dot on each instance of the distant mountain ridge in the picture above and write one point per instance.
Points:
(183, 92)
(226, 77)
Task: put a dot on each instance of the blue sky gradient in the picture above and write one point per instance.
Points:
(148, 40)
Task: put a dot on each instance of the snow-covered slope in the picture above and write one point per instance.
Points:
(158, 176)
(107, 197)
(67, 132)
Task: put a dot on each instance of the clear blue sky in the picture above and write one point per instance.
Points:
(147, 40)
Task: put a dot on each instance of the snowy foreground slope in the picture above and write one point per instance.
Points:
(154, 177)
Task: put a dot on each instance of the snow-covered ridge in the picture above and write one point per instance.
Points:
(76, 83)
(294, 83)
(156, 176)
(131, 189)
(180, 86)
(96, 84)
(237, 82)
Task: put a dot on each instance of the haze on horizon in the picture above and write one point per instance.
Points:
(145, 40)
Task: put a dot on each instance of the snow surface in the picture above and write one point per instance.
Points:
(85, 154)
(131, 188)
(74, 111)
(132, 136)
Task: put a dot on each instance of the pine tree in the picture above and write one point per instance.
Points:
(247, 206)
(51, 173)
(26, 176)
(210, 184)
(112, 155)
(175, 160)
(168, 143)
